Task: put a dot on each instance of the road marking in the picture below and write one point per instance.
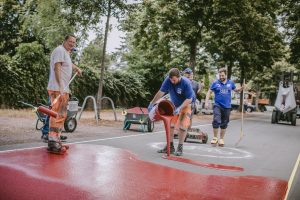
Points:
(208, 151)
(292, 176)
(102, 139)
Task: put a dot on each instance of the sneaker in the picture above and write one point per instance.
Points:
(56, 147)
(221, 143)
(164, 150)
(179, 151)
(45, 138)
(214, 141)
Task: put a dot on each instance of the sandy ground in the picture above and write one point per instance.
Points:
(18, 126)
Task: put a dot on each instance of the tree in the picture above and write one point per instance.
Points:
(246, 37)
(290, 14)
(9, 26)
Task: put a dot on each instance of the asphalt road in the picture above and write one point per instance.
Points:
(268, 150)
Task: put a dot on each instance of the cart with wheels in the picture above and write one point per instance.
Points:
(70, 122)
(286, 101)
(139, 116)
(196, 135)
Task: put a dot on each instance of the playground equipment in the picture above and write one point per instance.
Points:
(287, 99)
(138, 115)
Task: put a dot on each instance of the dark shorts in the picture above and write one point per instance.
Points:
(221, 117)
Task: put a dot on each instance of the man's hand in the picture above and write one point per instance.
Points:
(151, 105)
(78, 71)
(177, 110)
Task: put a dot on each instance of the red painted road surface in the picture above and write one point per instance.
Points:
(102, 172)
(203, 164)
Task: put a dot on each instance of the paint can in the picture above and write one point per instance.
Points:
(162, 108)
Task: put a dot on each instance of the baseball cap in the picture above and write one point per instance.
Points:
(187, 71)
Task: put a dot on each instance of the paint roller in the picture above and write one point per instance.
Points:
(46, 110)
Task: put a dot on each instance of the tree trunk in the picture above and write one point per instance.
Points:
(229, 70)
(102, 67)
(193, 53)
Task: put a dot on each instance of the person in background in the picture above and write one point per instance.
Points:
(222, 89)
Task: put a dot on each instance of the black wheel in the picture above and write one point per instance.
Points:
(186, 137)
(70, 125)
(274, 117)
(39, 124)
(294, 119)
(249, 109)
(150, 125)
(205, 138)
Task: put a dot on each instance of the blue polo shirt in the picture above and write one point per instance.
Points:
(223, 92)
(179, 92)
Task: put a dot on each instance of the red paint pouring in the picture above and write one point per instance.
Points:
(164, 111)
(107, 173)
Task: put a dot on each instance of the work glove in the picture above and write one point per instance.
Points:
(177, 110)
(151, 105)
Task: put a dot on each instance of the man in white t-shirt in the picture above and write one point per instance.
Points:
(61, 68)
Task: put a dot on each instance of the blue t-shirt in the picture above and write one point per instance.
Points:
(223, 92)
(179, 92)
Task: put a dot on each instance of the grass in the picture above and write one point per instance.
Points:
(17, 113)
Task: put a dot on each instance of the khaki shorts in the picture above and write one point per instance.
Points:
(183, 120)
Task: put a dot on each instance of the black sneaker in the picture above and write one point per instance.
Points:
(44, 138)
(179, 151)
(164, 150)
(57, 147)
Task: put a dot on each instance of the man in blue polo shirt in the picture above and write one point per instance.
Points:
(222, 89)
(182, 96)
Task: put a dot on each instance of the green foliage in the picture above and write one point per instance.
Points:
(125, 89)
(9, 26)
(25, 75)
(291, 15)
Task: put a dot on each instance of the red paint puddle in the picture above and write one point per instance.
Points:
(101, 172)
(203, 164)
(165, 114)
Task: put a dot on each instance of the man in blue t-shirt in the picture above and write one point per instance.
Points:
(222, 89)
(182, 96)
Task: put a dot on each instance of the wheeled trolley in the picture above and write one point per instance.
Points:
(139, 116)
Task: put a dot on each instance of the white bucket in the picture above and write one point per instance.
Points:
(73, 106)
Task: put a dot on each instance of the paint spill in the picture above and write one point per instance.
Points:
(102, 172)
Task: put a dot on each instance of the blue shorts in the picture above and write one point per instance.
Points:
(221, 117)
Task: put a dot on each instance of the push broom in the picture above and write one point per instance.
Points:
(242, 124)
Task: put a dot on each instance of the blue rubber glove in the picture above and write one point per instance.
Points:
(177, 110)
(151, 105)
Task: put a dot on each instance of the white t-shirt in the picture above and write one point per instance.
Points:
(60, 54)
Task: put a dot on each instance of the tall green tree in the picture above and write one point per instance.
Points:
(291, 16)
(10, 11)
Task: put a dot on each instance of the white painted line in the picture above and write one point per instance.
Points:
(292, 176)
(102, 139)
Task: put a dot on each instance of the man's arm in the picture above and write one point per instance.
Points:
(199, 88)
(57, 67)
(186, 103)
(157, 96)
(76, 69)
(207, 98)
